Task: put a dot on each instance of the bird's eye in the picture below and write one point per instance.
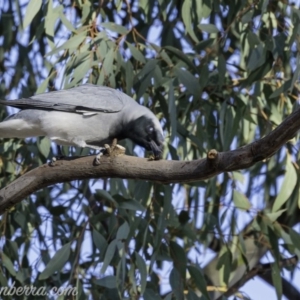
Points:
(151, 129)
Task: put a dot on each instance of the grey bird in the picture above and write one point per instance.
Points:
(85, 116)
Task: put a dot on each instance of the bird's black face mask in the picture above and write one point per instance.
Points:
(144, 133)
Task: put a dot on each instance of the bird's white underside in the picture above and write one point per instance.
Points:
(57, 126)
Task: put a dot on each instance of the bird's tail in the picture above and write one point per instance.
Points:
(18, 128)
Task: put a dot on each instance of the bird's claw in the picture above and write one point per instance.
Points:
(97, 158)
(110, 150)
(53, 160)
(114, 150)
(56, 158)
(151, 157)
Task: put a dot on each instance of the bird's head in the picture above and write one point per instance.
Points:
(146, 131)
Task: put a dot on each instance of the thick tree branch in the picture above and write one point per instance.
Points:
(162, 171)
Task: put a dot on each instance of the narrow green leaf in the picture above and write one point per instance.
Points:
(204, 44)
(228, 125)
(296, 74)
(273, 239)
(110, 252)
(182, 56)
(210, 28)
(140, 262)
(108, 62)
(179, 258)
(150, 294)
(50, 21)
(282, 89)
(105, 195)
(221, 70)
(257, 57)
(186, 14)
(136, 53)
(176, 283)
(142, 191)
(238, 176)
(86, 9)
(274, 216)
(66, 22)
(253, 39)
(8, 264)
(57, 261)
(288, 185)
(21, 276)
(70, 44)
(206, 8)
(9, 167)
(172, 111)
(149, 66)
(224, 265)
(81, 70)
(187, 18)
(129, 77)
(166, 57)
(199, 280)
(143, 79)
(276, 278)
(31, 10)
(44, 146)
(123, 231)
(240, 201)
(295, 237)
(21, 219)
(131, 204)
(3, 279)
(43, 86)
(260, 72)
(100, 242)
(262, 6)
(109, 282)
(192, 295)
(115, 27)
(248, 17)
(188, 80)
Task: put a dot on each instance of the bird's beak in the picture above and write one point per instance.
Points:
(156, 149)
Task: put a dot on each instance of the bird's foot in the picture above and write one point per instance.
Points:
(152, 157)
(97, 158)
(114, 149)
(56, 158)
(110, 150)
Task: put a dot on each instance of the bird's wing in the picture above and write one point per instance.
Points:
(87, 98)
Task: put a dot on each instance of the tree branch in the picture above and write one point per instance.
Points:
(288, 289)
(264, 271)
(162, 171)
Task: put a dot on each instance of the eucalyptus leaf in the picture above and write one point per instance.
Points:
(32, 9)
(57, 261)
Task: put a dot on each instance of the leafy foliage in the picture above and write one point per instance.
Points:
(218, 75)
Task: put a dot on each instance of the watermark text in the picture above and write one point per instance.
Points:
(37, 291)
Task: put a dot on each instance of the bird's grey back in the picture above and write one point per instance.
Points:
(84, 98)
(89, 96)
